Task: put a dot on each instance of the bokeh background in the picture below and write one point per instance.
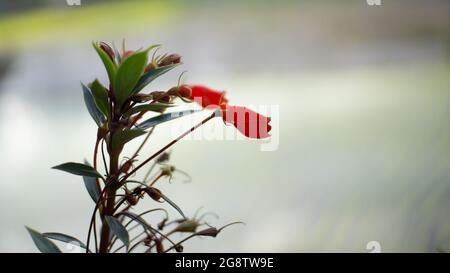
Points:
(363, 124)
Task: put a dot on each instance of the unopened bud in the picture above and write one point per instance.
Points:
(170, 59)
(108, 50)
(179, 248)
(187, 226)
(184, 91)
(162, 224)
(161, 96)
(154, 193)
(164, 157)
(212, 232)
(159, 246)
(127, 53)
(150, 66)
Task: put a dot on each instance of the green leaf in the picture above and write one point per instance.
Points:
(118, 229)
(151, 122)
(149, 76)
(64, 238)
(93, 110)
(111, 67)
(155, 107)
(91, 187)
(78, 169)
(122, 137)
(128, 75)
(101, 97)
(43, 244)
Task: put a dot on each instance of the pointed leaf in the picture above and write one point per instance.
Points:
(94, 111)
(64, 238)
(91, 187)
(78, 169)
(128, 75)
(175, 206)
(122, 137)
(151, 122)
(100, 96)
(149, 76)
(43, 244)
(155, 107)
(118, 229)
(111, 67)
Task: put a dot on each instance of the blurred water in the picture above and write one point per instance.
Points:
(363, 128)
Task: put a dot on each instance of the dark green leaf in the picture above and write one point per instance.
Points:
(149, 76)
(155, 107)
(118, 229)
(128, 75)
(122, 137)
(64, 238)
(78, 169)
(101, 97)
(94, 111)
(43, 244)
(111, 67)
(91, 186)
(151, 122)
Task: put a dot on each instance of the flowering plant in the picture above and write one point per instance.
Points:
(118, 110)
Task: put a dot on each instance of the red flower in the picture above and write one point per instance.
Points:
(248, 122)
(207, 96)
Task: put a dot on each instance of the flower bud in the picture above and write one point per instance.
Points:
(162, 224)
(187, 226)
(212, 232)
(139, 98)
(127, 53)
(150, 66)
(154, 193)
(159, 246)
(183, 91)
(161, 96)
(170, 59)
(108, 50)
(164, 157)
(179, 248)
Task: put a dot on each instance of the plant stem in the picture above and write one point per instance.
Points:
(110, 199)
(168, 145)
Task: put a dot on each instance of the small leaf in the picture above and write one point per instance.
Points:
(149, 76)
(118, 229)
(155, 107)
(101, 97)
(175, 206)
(122, 137)
(111, 67)
(94, 111)
(128, 75)
(151, 122)
(64, 238)
(78, 169)
(91, 186)
(43, 244)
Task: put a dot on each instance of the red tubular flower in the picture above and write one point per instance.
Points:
(248, 122)
(207, 96)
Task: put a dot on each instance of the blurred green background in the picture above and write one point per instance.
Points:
(363, 123)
